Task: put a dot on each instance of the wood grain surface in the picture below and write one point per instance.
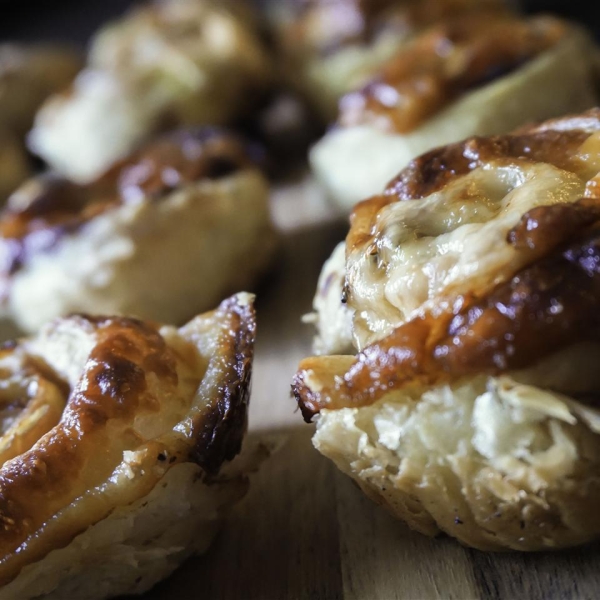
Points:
(305, 530)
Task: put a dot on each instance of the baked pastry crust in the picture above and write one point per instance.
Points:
(169, 64)
(498, 74)
(470, 408)
(167, 407)
(330, 47)
(169, 231)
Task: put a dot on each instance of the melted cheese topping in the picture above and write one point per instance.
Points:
(448, 243)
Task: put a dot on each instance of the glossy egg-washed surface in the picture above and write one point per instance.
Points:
(50, 206)
(461, 53)
(65, 443)
(541, 299)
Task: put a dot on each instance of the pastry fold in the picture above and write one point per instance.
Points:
(167, 232)
(328, 48)
(470, 407)
(169, 64)
(495, 72)
(114, 434)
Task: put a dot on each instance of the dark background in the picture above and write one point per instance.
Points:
(76, 20)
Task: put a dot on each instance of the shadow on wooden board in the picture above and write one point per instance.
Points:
(305, 531)
(282, 339)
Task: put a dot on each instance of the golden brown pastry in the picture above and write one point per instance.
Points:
(28, 75)
(474, 285)
(330, 47)
(167, 64)
(167, 232)
(114, 437)
(478, 73)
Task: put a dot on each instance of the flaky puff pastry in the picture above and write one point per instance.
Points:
(28, 75)
(114, 435)
(169, 231)
(167, 64)
(327, 48)
(474, 285)
(478, 73)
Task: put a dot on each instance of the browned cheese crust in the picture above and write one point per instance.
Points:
(327, 48)
(52, 206)
(457, 55)
(168, 398)
(474, 282)
(512, 325)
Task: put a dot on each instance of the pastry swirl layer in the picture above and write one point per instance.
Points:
(169, 231)
(115, 404)
(51, 206)
(171, 63)
(440, 228)
(471, 406)
(551, 304)
(450, 59)
(480, 73)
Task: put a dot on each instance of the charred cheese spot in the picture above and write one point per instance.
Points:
(133, 409)
(441, 228)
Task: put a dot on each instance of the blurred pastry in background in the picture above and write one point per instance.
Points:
(330, 47)
(115, 445)
(474, 74)
(28, 75)
(474, 288)
(167, 232)
(167, 64)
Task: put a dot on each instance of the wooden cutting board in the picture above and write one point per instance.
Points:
(305, 530)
